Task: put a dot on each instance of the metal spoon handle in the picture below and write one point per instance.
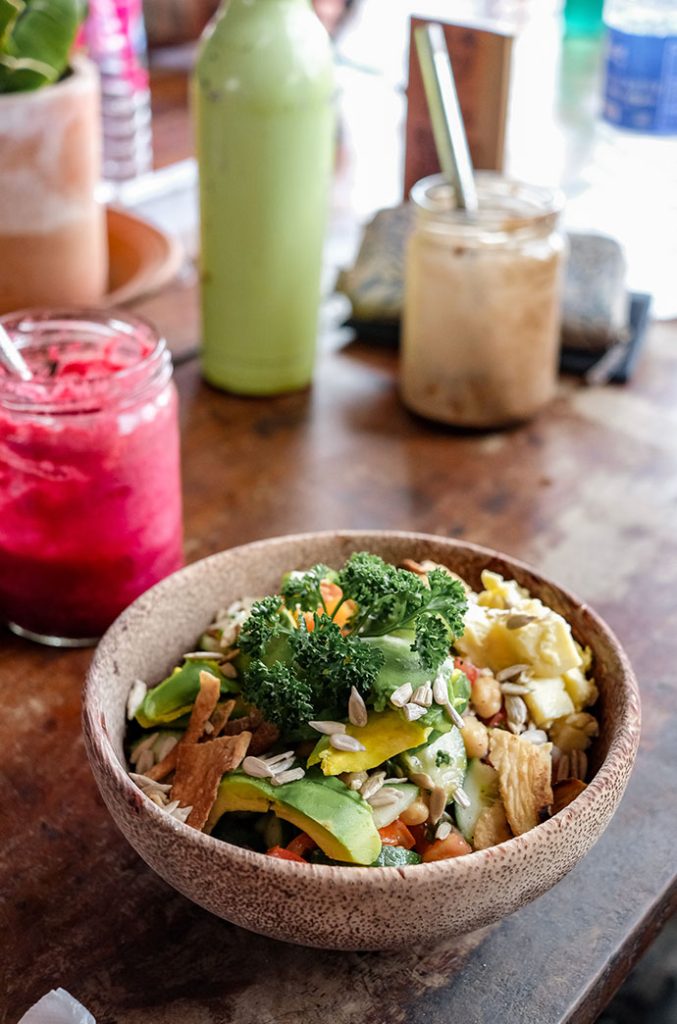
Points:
(445, 114)
(12, 358)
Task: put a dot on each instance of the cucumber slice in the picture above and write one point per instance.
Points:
(406, 794)
(444, 760)
(481, 788)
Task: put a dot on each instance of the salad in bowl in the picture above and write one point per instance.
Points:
(372, 714)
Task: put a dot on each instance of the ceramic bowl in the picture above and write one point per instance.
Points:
(350, 908)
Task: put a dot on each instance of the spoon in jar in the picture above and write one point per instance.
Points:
(445, 114)
(12, 358)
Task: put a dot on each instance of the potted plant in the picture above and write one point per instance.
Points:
(52, 231)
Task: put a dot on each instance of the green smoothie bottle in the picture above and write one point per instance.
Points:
(263, 100)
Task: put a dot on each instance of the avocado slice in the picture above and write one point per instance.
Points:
(176, 694)
(444, 760)
(337, 818)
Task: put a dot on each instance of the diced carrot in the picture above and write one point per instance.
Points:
(468, 668)
(442, 849)
(301, 844)
(397, 834)
(282, 854)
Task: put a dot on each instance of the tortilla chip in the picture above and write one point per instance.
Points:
(524, 778)
(219, 718)
(198, 773)
(491, 827)
(250, 722)
(205, 702)
(263, 738)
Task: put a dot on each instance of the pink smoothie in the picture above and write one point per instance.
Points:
(90, 507)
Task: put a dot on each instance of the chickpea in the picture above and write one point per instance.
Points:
(475, 736)
(486, 697)
(415, 813)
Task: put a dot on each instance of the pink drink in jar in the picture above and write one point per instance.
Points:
(90, 494)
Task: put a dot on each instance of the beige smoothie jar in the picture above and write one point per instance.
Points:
(480, 336)
(52, 229)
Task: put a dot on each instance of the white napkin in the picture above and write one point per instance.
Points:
(57, 1007)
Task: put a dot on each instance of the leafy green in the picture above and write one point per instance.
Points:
(314, 677)
(35, 41)
(395, 856)
(391, 599)
(303, 588)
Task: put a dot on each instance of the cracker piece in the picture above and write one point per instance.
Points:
(263, 738)
(524, 777)
(491, 827)
(220, 716)
(198, 773)
(205, 702)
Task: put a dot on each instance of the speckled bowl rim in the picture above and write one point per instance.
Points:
(625, 738)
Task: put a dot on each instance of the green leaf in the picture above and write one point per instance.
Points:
(9, 12)
(37, 44)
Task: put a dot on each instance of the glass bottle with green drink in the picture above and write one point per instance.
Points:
(263, 100)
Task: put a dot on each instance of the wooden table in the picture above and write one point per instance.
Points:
(587, 493)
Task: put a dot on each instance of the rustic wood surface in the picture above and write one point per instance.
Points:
(587, 493)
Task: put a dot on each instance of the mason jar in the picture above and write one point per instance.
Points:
(90, 494)
(481, 322)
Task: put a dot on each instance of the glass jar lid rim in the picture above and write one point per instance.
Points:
(504, 202)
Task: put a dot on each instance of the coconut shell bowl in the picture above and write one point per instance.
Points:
(350, 908)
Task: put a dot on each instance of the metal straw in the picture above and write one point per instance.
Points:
(448, 130)
(12, 358)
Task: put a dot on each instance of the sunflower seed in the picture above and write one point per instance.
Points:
(271, 761)
(293, 775)
(372, 784)
(202, 656)
(454, 716)
(510, 672)
(383, 798)
(402, 695)
(229, 670)
(158, 798)
(182, 813)
(578, 762)
(519, 620)
(257, 768)
(423, 695)
(341, 741)
(394, 782)
(436, 804)
(163, 747)
(283, 766)
(144, 762)
(208, 728)
(171, 807)
(440, 690)
(514, 689)
(136, 697)
(515, 727)
(327, 728)
(357, 709)
(536, 736)
(422, 780)
(461, 797)
(443, 830)
(141, 747)
(413, 711)
(354, 780)
(516, 710)
(144, 783)
(563, 769)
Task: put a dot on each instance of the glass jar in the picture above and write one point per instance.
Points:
(480, 338)
(90, 494)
